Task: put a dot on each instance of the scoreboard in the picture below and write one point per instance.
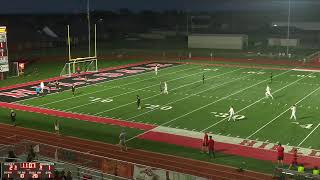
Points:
(27, 170)
(4, 64)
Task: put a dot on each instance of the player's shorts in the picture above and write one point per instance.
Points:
(122, 143)
(280, 158)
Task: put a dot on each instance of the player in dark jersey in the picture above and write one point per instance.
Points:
(203, 78)
(271, 77)
(73, 88)
(138, 102)
(13, 117)
(57, 84)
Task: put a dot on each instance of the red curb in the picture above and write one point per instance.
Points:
(244, 151)
(59, 78)
(82, 117)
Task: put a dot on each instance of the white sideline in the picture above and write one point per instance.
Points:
(281, 114)
(160, 94)
(306, 70)
(254, 103)
(208, 105)
(93, 92)
(213, 87)
(132, 91)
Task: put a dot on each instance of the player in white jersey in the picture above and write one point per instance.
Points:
(156, 69)
(231, 114)
(293, 112)
(268, 92)
(42, 86)
(165, 88)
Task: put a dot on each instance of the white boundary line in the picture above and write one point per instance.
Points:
(208, 104)
(133, 91)
(212, 87)
(281, 114)
(308, 135)
(253, 103)
(102, 82)
(160, 94)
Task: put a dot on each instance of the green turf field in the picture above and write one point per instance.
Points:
(195, 106)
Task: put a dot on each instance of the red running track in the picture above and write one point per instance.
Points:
(169, 162)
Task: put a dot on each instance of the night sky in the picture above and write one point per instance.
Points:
(74, 6)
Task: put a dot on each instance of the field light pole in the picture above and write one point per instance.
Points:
(288, 30)
(89, 29)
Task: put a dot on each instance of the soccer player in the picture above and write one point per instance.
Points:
(122, 142)
(13, 117)
(86, 79)
(38, 90)
(280, 151)
(57, 85)
(73, 88)
(138, 102)
(295, 158)
(271, 77)
(56, 127)
(203, 78)
(211, 147)
(42, 87)
(205, 143)
(293, 112)
(165, 89)
(156, 69)
(268, 93)
(78, 70)
(231, 114)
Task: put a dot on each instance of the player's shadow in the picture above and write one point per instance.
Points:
(279, 96)
(305, 117)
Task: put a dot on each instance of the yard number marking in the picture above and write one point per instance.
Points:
(254, 72)
(155, 106)
(224, 115)
(106, 100)
(305, 126)
(303, 76)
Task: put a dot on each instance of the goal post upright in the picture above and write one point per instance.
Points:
(95, 45)
(87, 64)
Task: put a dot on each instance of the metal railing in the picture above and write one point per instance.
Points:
(292, 174)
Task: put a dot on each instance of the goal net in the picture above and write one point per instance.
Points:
(80, 65)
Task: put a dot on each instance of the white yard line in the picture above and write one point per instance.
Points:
(207, 105)
(93, 92)
(133, 91)
(212, 87)
(102, 82)
(281, 114)
(253, 104)
(160, 94)
(299, 145)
